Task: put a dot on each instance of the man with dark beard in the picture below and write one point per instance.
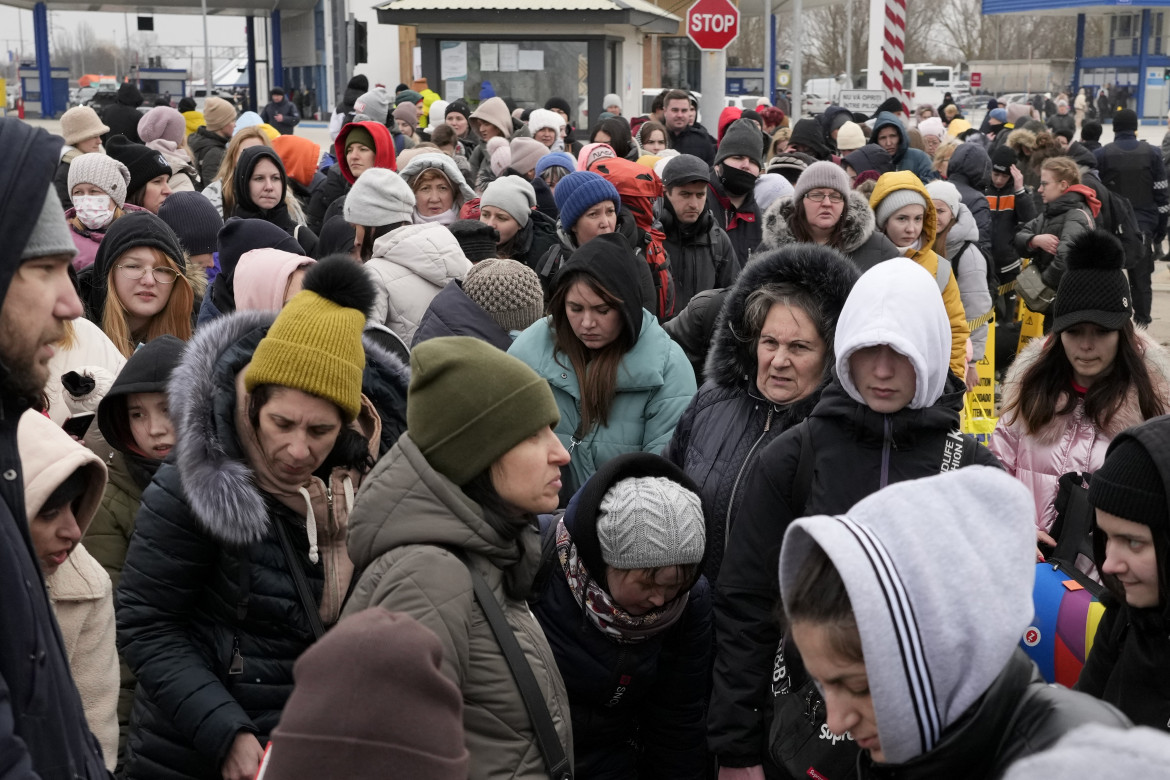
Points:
(43, 732)
(738, 163)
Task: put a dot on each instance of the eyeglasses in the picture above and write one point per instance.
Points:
(162, 274)
(817, 196)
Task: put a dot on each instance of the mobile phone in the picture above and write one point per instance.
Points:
(77, 425)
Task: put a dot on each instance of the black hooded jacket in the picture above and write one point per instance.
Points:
(637, 708)
(701, 254)
(122, 116)
(728, 422)
(43, 732)
(1127, 667)
(854, 447)
(870, 157)
(970, 171)
(279, 215)
(809, 135)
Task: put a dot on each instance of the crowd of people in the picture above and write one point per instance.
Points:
(478, 446)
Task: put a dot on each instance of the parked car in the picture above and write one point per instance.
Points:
(814, 104)
(744, 101)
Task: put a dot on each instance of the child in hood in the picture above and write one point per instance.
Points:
(63, 484)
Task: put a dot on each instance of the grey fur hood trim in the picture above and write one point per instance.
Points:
(858, 223)
(826, 273)
(216, 480)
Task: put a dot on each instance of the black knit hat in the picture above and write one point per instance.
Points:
(891, 105)
(143, 162)
(741, 139)
(558, 103)
(459, 106)
(1129, 485)
(477, 239)
(1125, 120)
(195, 221)
(1003, 159)
(1094, 288)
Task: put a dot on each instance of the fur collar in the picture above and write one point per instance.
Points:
(828, 275)
(217, 481)
(1157, 363)
(857, 223)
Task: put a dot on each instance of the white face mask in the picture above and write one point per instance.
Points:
(94, 211)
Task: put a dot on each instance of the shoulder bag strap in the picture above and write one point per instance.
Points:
(555, 760)
(298, 575)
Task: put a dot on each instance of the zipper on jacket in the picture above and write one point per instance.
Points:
(742, 466)
(237, 665)
(887, 442)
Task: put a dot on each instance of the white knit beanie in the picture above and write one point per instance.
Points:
(933, 126)
(379, 197)
(650, 522)
(513, 194)
(542, 118)
(103, 172)
(947, 193)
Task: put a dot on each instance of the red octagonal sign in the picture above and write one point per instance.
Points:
(713, 24)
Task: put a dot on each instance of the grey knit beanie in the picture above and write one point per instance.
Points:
(650, 522)
(373, 106)
(103, 172)
(507, 290)
(379, 197)
(513, 194)
(894, 201)
(822, 175)
(50, 235)
(742, 139)
(947, 193)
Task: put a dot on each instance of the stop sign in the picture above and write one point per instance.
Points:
(712, 24)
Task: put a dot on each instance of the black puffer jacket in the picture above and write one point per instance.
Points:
(728, 422)
(208, 149)
(1017, 716)
(694, 140)
(701, 255)
(852, 445)
(970, 171)
(43, 732)
(198, 589)
(452, 313)
(743, 224)
(122, 116)
(637, 708)
(861, 241)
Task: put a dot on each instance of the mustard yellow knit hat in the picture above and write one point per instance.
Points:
(315, 344)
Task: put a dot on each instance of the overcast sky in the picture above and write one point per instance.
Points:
(173, 29)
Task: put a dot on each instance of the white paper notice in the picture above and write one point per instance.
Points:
(489, 57)
(509, 57)
(453, 61)
(453, 90)
(531, 60)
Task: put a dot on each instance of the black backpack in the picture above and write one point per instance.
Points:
(1122, 223)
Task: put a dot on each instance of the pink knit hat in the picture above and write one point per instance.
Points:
(162, 122)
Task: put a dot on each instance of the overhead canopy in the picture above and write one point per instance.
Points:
(1069, 7)
(649, 17)
(214, 7)
(781, 7)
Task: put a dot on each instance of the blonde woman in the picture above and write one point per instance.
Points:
(942, 157)
(140, 287)
(221, 191)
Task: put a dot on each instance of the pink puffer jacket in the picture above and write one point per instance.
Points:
(1071, 442)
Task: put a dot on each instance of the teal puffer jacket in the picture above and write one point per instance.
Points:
(655, 383)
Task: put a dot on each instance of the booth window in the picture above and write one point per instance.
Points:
(680, 63)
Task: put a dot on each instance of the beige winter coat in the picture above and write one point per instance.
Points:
(405, 514)
(80, 589)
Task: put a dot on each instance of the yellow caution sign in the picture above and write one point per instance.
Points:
(979, 405)
(1031, 326)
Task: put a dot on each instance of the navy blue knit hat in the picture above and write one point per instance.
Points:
(580, 191)
(195, 221)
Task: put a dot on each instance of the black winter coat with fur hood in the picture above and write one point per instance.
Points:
(205, 580)
(728, 421)
(862, 242)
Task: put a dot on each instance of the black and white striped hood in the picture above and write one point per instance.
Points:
(939, 572)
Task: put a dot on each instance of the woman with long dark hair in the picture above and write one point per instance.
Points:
(1067, 396)
(616, 133)
(620, 382)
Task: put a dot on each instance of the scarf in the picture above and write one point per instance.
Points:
(169, 149)
(609, 618)
(445, 218)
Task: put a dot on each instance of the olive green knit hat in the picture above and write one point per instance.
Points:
(469, 403)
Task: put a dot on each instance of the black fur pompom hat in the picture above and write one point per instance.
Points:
(1094, 288)
(315, 344)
